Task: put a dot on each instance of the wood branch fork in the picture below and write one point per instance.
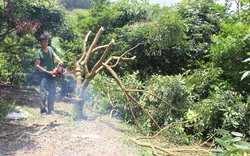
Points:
(84, 75)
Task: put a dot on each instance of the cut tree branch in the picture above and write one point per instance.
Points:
(101, 60)
(115, 58)
(127, 93)
(93, 45)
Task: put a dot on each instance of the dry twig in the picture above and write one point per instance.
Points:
(25, 127)
(169, 151)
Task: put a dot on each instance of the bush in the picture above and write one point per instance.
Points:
(171, 89)
(222, 109)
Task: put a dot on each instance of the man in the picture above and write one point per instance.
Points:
(44, 62)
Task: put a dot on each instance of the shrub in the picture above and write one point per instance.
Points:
(222, 109)
(171, 89)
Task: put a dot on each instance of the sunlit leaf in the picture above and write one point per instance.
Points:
(238, 151)
(236, 139)
(247, 37)
(241, 147)
(246, 60)
(247, 73)
(237, 134)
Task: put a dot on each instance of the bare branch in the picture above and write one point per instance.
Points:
(78, 67)
(152, 146)
(99, 47)
(118, 58)
(7, 32)
(115, 58)
(98, 35)
(85, 42)
(124, 89)
(126, 53)
(101, 60)
(169, 151)
(126, 92)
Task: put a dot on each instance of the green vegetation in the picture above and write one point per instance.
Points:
(189, 65)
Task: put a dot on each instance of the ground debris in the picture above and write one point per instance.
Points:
(18, 113)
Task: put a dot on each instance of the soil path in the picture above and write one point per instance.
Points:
(59, 135)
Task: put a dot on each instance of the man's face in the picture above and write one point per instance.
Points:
(44, 43)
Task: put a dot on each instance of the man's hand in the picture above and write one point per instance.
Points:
(61, 63)
(54, 72)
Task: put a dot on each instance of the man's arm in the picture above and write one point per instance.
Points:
(58, 59)
(37, 64)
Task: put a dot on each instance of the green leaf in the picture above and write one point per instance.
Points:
(217, 151)
(222, 131)
(241, 147)
(236, 139)
(228, 153)
(223, 143)
(242, 143)
(55, 43)
(227, 138)
(238, 151)
(237, 134)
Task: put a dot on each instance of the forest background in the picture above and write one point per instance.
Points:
(191, 55)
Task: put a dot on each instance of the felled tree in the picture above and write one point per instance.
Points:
(84, 75)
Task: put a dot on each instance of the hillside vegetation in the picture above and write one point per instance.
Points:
(182, 79)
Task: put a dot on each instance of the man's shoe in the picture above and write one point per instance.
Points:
(52, 113)
(43, 114)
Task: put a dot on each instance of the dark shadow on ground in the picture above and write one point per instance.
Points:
(90, 115)
(65, 99)
(19, 96)
(113, 126)
(63, 113)
(14, 136)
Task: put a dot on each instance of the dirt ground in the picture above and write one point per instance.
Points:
(59, 135)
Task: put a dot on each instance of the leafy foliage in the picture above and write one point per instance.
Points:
(223, 109)
(229, 49)
(247, 73)
(171, 89)
(21, 23)
(201, 22)
(231, 144)
(202, 81)
(190, 56)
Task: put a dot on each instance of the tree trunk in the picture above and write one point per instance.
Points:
(82, 67)
(80, 99)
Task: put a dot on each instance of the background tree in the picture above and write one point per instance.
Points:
(21, 24)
